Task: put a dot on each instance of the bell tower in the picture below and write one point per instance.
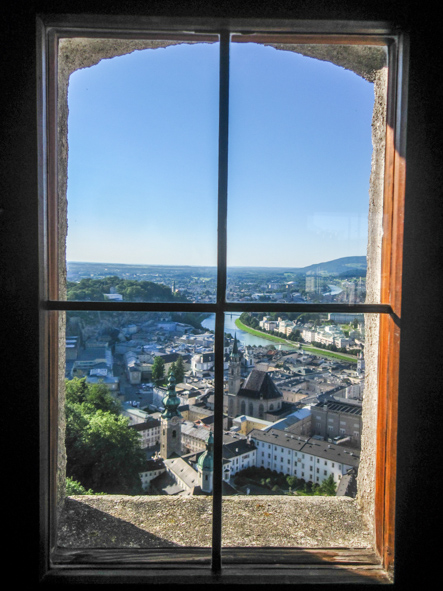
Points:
(234, 377)
(170, 419)
(234, 383)
(205, 466)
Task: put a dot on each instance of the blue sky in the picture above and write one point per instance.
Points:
(143, 158)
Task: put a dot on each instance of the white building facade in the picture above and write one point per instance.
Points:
(304, 457)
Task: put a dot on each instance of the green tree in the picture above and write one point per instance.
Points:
(179, 370)
(103, 452)
(158, 370)
(95, 395)
(134, 293)
(116, 456)
(73, 487)
(328, 486)
(292, 481)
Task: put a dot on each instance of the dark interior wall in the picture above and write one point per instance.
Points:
(420, 454)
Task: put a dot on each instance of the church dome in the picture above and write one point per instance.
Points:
(171, 401)
(206, 460)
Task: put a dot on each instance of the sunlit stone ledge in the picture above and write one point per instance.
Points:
(114, 521)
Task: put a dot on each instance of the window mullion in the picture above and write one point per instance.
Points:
(221, 296)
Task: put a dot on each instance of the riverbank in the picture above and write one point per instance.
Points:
(263, 335)
(327, 353)
(313, 350)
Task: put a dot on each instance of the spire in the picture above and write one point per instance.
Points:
(171, 401)
(235, 347)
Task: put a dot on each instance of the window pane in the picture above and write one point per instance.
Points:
(142, 170)
(293, 399)
(139, 421)
(299, 170)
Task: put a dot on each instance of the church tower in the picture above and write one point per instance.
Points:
(205, 466)
(234, 377)
(234, 383)
(170, 435)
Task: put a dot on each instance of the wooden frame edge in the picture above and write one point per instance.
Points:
(391, 289)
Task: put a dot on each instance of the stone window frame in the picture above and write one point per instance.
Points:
(390, 182)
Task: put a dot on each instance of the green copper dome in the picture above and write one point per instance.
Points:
(171, 401)
(206, 460)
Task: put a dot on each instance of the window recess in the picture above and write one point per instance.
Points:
(384, 305)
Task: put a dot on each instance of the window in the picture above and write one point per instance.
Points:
(386, 310)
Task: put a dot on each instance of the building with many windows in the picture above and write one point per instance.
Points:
(338, 417)
(304, 457)
(149, 432)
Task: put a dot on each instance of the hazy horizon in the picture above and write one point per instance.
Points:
(208, 266)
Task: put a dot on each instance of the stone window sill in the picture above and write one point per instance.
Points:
(286, 539)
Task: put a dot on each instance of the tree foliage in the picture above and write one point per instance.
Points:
(328, 486)
(103, 452)
(73, 487)
(95, 396)
(130, 289)
(158, 370)
(178, 369)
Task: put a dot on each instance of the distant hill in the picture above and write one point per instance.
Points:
(345, 266)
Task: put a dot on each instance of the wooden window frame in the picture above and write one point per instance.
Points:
(297, 563)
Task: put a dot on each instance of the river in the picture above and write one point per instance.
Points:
(244, 337)
(333, 290)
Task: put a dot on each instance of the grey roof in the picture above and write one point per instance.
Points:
(188, 428)
(146, 425)
(290, 420)
(182, 470)
(304, 444)
(233, 447)
(206, 357)
(169, 357)
(151, 465)
(166, 483)
(354, 408)
(201, 410)
(259, 385)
